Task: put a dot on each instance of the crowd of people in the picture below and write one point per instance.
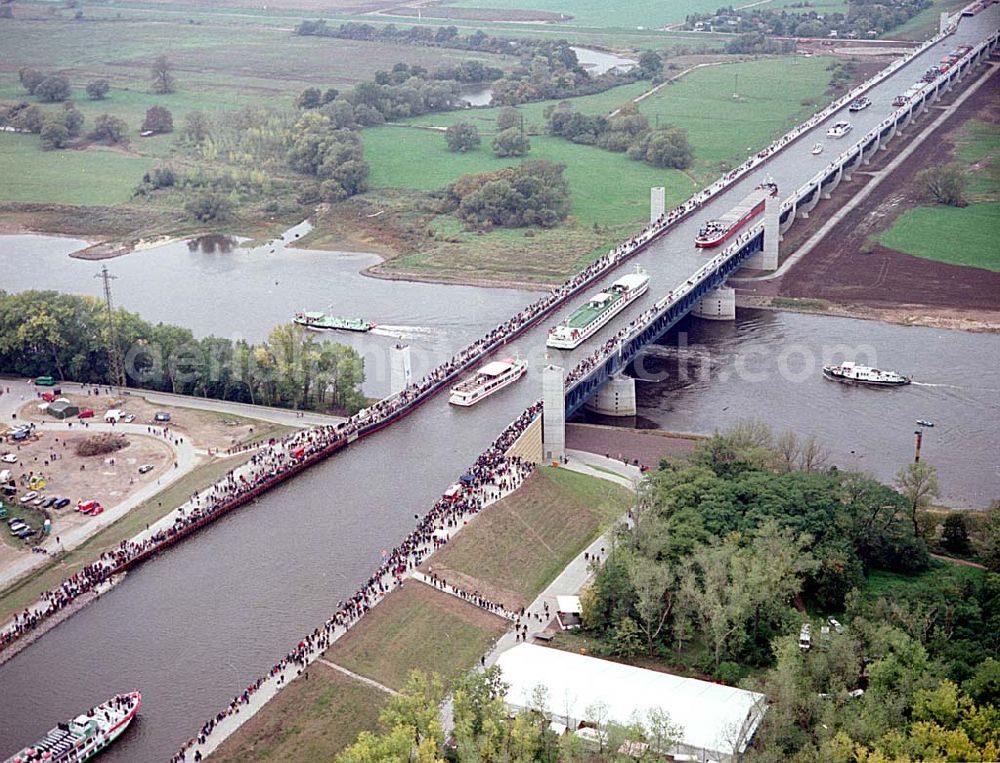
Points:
(493, 468)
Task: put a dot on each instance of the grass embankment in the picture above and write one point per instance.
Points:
(519, 545)
(959, 235)
(311, 719)
(28, 589)
(926, 23)
(609, 192)
(417, 628)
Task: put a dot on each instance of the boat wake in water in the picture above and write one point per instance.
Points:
(407, 332)
(953, 386)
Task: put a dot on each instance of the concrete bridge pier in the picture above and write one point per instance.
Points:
(553, 413)
(852, 165)
(400, 372)
(867, 159)
(884, 141)
(657, 203)
(718, 305)
(826, 190)
(616, 398)
(790, 219)
(767, 258)
(805, 207)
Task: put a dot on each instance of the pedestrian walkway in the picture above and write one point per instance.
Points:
(351, 674)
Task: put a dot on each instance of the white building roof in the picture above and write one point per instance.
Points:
(710, 714)
(569, 604)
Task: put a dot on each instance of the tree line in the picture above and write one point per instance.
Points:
(66, 336)
(864, 19)
(533, 193)
(628, 132)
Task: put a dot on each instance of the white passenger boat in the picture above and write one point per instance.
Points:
(851, 373)
(839, 130)
(818, 148)
(599, 309)
(491, 378)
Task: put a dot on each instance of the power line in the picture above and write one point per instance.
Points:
(113, 348)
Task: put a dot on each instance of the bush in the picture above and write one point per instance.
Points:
(54, 135)
(101, 444)
(110, 129)
(945, 184)
(535, 193)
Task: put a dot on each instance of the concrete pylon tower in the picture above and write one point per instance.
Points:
(657, 203)
(400, 373)
(767, 258)
(553, 413)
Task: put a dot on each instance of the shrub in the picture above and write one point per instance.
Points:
(100, 444)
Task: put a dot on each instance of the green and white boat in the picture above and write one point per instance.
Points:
(599, 309)
(317, 321)
(86, 735)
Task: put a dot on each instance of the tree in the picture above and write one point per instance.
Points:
(918, 483)
(654, 587)
(511, 142)
(110, 129)
(53, 89)
(158, 120)
(162, 76)
(991, 538)
(955, 535)
(196, 129)
(54, 135)
(462, 137)
(310, 98)
(945, 184)
(651, 64)
(209, 206)
(665, 147)
(30, 78)
(98, 89)
(508, 118)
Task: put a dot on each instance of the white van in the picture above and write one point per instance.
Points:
(113, 416)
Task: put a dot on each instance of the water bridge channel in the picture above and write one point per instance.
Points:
(194, 627)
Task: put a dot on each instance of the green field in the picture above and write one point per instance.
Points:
(312, 718)
(978, 146)
(958, 236)
(519, 545)
(92, 177)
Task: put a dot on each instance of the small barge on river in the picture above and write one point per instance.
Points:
(316, 321)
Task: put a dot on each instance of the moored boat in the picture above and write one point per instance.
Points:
(839, 130)
(860, 103)
(716, 232)
(599, 309)
(86, 735)
(317, 321)
(492, 377)
(851, 373)
(817, 148)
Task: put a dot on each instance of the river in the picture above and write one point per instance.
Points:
(215, 286)
(706, 375)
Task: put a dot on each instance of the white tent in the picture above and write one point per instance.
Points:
(718, 721)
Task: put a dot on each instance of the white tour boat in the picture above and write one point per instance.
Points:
(599, 309)
(839, 130)
(851, 373)
(491, 378)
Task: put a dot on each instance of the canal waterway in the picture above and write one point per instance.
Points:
(706, 375)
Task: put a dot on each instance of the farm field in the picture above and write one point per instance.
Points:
(949, 234)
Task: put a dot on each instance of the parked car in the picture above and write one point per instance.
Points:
(86, 413)
(161, 416)
(61, 503)
(145, 468)
(29, 496)
(49, 502)
(48, 396)
(39, 500)
(45, 381)
(15, 524)
(25, 532)
(9, 458)
(129, 418)
(20, 434)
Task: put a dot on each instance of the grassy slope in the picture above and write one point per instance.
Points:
(522, 543)
(417, 627)
(925, 24)
(310, 719)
